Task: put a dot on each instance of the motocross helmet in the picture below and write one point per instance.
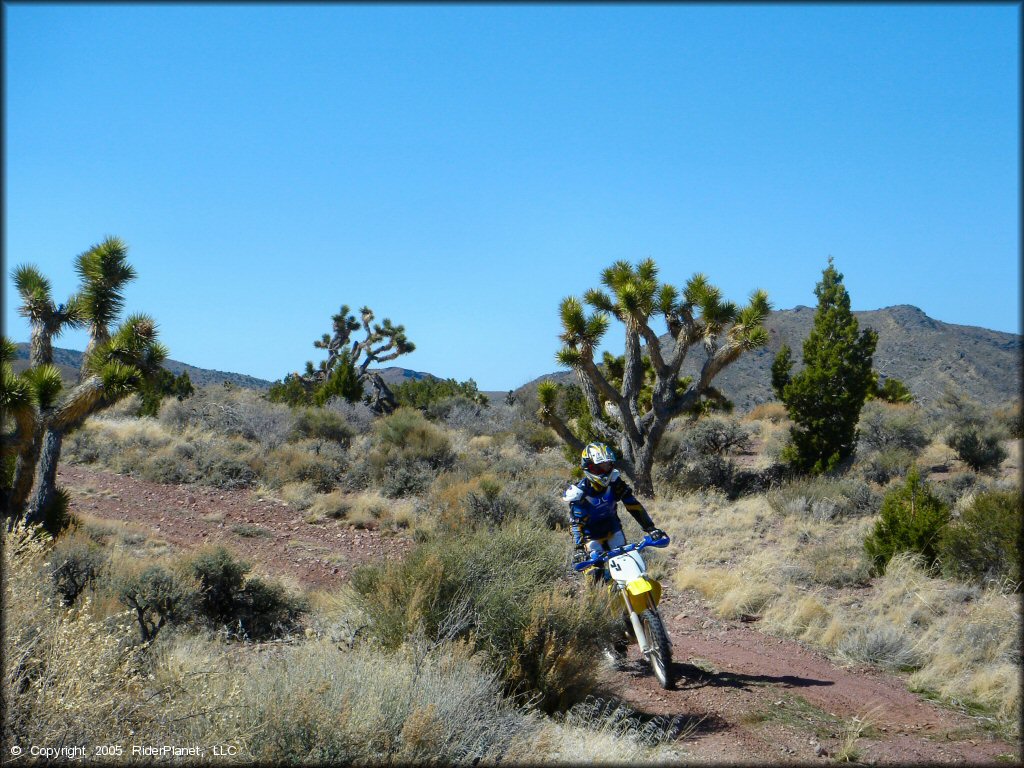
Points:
(598, 462)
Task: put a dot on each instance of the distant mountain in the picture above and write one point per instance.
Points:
(70, 361)
(923, 353)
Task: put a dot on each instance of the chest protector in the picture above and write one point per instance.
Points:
(595, 513)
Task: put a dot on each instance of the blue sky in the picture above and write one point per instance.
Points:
(462, 168)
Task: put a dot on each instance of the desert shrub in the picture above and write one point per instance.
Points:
(491, 504)
(472, 417)
(224, 465)
(172, 465)
(977, 447)
(359, 416)
(220, 578)
(824, 498)
(406, 436)
(536, 437)
(158, 596)
(884, 645)
(912, 520)
(1011, 420)
(407, 453)
(334, 505)
(308, 461)
(985, 542)
(232, 413)
(696, 458)
(322, 424)
(319, 704)
(74, 563)
(716, 435)
(407, 479)
(773, 411)
(884, 427)
(498, 588)
(882, 466)
(67, 675)
(229, 597)
(264, 609)
(215, 462)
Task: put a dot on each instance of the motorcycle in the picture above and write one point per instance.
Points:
(626, 569)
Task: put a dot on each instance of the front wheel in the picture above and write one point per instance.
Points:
(660, 655)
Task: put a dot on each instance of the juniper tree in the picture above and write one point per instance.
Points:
(824, 399)
(345, 372)
(116, 366)
(617, 404)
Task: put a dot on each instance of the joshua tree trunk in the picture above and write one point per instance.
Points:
(382, 400)
(46, 476)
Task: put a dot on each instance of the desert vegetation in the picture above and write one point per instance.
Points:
(897, 547)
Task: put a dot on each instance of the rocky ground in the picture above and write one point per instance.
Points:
(742, 696)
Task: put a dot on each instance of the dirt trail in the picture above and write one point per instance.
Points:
(742, 697)
(274, 537)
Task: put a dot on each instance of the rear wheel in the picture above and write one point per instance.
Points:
(660, 656)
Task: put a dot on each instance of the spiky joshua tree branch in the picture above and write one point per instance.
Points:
(630, 410)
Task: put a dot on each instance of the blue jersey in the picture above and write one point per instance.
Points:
(593, 515)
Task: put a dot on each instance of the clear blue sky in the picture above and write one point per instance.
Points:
(463, 168)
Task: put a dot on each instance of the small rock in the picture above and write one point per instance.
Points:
(820, 751)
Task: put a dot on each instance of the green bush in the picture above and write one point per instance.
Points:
(500, 589)
(977, 447)
(985, 542)
(221, 578)
(912, 520)
(158, 596)
(73, 564)
(422, 393)
(228, 597)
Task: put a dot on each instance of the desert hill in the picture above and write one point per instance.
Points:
(924, 353)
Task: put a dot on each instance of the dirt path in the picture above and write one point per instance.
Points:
(742, 697)
(274, 537)
(750, 697)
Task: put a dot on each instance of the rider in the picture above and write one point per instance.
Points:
(592, 501)
(594, 523)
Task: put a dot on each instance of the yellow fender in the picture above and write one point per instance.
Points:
(638, 591)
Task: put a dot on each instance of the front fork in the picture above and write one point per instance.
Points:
(638, 627)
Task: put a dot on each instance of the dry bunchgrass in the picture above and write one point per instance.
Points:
(70, 677)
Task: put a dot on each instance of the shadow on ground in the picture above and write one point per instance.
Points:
(690, 676)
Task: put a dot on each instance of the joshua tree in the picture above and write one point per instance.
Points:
(346, 369)
(622, 415)
(116, 366)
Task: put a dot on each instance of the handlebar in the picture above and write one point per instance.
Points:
(602, 557)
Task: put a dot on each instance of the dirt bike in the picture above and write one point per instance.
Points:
(626, 569)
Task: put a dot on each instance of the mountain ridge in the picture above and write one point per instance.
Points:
(924, 353)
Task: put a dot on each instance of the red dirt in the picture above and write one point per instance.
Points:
(747, 697)
(280, 543)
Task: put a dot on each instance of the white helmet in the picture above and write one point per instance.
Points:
(598, 464)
